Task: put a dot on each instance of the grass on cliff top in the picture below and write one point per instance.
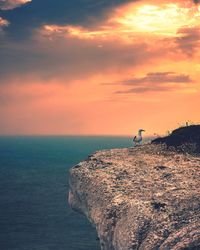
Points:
(185, 139)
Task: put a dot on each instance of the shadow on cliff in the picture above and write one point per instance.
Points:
(184, 139)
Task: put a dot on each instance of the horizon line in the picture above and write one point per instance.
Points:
(72, 135)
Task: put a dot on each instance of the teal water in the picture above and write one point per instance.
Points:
(34, 214)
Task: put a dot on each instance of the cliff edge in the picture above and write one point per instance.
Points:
(146, 197)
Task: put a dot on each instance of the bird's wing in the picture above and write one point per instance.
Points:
(134, 138)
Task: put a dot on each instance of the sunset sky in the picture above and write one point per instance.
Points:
(98, 67)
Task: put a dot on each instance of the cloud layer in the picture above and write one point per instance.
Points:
(3, 22)
(189, 40)
(53, 64)
(12, 4)
(121, 40)
(155, 81)
(128, 22)
(159, 77)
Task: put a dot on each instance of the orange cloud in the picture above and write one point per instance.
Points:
(156, 82)
(161, 27)
(132, 37)
(128, 22)
(12, 4)
(3, 22)
(189, 40)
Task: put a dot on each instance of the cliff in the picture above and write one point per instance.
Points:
(183, 139)
(140, 198)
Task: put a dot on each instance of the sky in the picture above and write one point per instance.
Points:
(98, 67)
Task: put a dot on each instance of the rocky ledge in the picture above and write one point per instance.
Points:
(145, 197)
(183, 139)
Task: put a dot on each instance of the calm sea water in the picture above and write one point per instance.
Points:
(34, 214)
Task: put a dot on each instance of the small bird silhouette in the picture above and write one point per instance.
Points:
(137, 140)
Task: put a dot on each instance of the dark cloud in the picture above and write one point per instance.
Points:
(156, 81)
(61, 12)
(156, 77)
(69, 59)
(21, 54)
(159, 77)
(139, 90)
(188, 40)
(196, 1)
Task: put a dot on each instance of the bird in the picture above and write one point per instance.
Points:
(138, 139)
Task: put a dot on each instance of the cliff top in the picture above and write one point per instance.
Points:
(184, 139)
(145, 197)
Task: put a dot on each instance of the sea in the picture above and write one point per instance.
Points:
(34, 212)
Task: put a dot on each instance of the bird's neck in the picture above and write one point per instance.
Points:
(140, 133)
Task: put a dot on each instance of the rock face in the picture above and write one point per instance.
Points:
(140, 198)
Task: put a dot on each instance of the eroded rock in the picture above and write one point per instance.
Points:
(140, 198)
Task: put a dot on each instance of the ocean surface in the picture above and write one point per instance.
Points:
(34, 214)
